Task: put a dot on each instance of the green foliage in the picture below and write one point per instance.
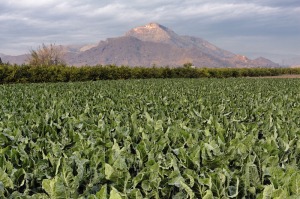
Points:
(188, 65)
(61, 73)
(162, 138)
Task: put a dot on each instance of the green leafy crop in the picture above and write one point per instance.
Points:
(175, 138)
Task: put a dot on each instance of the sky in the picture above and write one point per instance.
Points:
(241, 26)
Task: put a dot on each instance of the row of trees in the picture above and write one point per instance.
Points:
(61, 73)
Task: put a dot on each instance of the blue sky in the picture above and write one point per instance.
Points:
(240, 26)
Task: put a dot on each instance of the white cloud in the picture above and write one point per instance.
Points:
(223, 11)
(30, 3)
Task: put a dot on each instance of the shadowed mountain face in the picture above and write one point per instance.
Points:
(154, 44)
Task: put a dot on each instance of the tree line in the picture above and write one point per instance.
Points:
(61, 73)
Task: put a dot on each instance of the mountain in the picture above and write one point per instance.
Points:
(154, 32)
(283, 59)
(261, 61)
(18, 59)
(154, 44)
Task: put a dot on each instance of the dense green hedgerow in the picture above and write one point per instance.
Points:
(23, 74)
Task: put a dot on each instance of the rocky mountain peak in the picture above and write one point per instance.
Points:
(153, 26)
(153, 32)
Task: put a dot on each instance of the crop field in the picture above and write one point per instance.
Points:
(153, 138)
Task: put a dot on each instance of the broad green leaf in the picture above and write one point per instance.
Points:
(136, 193)
(180, 195)
(208, 195)
(114, 194)
(55, 188)
(267, 193)
(80, 162)
(187, 189)
(2, 189)
(175, 179)
(206, 182)
(109, 170)
(102, 194)
(67, 175)
(148, 118)
(234, 190)
(19, 176)
(158, 125)
(39, 196)
(5, 179)
(280, 193)
(295, 184)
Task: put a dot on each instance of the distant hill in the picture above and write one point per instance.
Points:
(19, 59)
(154, 44)
(282, 59)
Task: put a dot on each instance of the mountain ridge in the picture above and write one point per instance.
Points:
(155, 44)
